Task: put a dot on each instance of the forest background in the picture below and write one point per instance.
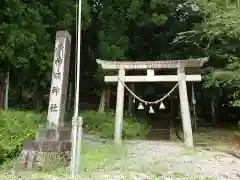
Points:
(122, 30)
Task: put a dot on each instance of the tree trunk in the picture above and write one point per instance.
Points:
(194, 114)
(130, 99)
(38, 96)
(19, 99)
(108, 96)
(102, 105)
(6, 91)
(217, 105)
(213, 108)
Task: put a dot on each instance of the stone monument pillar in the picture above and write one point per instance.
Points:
(54, 141)
(58, 92)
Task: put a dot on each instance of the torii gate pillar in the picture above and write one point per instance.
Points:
(119, 108)
(186, 118)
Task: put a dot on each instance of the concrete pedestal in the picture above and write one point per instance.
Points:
(51, 148)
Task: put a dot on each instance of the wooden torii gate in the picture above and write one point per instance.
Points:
(150, 66)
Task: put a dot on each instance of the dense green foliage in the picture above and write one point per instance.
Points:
(130, 29)
(218, 37)
(103, 124)
(15, 128)
(120, 30)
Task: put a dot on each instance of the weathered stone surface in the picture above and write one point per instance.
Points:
(52, 134)
(47, 146)
(59, 84)
(159, 134)
(52, 147)
(43, 155)
(33, 160)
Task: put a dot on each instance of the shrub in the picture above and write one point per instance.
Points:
(104, 125)
(15, 128)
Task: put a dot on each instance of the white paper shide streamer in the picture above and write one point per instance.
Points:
(159, 101)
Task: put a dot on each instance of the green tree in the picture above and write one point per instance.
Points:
(218, 37)
(27, 35)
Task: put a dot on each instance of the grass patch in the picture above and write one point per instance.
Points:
(103, 124)
(189, 151)
(93, 158)
(209, 137)
(179, 175)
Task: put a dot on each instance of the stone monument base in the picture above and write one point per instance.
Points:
(51, 148)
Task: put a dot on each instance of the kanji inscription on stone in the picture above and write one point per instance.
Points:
(55, 90)
(59, 84)
(53, 108)
(56, 75)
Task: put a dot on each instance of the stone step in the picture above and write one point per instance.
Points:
(159, 134)
(47, 146)
(40, 154)
(61, 134)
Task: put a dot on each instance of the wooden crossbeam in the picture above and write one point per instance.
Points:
(157, 78)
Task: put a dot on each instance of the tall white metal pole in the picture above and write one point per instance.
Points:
(77, 126)
(78, 57)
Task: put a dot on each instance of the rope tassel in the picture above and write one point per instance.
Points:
(193, 96)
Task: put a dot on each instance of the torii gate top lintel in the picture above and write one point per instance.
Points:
(164, 64)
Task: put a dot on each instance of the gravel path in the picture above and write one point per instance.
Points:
(170, 160)
(159, 160)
